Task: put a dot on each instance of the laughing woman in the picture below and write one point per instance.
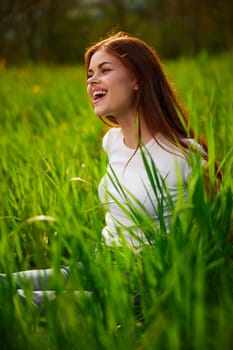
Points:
(150, 143)
(130, 92)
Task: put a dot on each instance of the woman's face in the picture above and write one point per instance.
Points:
(111, 86)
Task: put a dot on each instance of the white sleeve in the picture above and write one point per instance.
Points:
(187, 170)
(187, 166)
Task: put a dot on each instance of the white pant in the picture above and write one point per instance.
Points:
(41, 282)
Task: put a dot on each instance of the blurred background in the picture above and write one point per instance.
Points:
(58, 31)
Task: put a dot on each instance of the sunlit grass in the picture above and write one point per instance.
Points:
(51, 162)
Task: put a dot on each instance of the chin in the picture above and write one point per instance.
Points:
(100, 113)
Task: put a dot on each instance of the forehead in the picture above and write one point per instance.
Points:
(101, 56)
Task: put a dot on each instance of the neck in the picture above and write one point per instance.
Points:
(130, 131)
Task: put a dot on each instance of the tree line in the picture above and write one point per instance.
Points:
(60, 30)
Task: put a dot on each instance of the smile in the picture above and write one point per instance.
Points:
(98, 95)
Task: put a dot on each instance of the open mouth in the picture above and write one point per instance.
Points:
(98, 95)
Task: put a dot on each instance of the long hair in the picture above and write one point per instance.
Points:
(156, 100)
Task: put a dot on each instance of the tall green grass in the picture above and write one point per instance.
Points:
(51, 162)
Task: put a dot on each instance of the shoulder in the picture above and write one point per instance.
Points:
(182, 156)
(184, 148)
(194, 145)
(110, 137)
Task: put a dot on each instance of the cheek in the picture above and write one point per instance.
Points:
(128, 91)
(124, 86)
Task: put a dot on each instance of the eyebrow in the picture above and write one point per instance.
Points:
(100, 65)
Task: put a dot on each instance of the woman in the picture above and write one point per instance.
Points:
(148, 144)
(129, 90)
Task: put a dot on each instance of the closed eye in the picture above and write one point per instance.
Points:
(105, 70)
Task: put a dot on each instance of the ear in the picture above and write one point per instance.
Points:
(136, 86)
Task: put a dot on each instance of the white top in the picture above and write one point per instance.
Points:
(126, 180)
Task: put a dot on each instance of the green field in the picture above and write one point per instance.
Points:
(51, 162)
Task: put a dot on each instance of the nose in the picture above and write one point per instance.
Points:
(94, 79)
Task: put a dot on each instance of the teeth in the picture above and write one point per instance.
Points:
(99, 93)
